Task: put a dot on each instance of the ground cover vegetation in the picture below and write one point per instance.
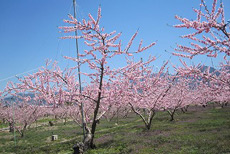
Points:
(199, 130)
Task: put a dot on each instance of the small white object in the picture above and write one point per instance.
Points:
(54, 137)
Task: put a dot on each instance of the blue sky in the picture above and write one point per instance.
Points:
(30, 35)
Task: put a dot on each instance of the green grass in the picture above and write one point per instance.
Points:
(199, 131)
(3, 125)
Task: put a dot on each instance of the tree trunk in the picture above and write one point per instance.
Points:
(51, 123)
(80, 147)
(117, 116)
(88, 139)
(65, 119)
(172, 117)
(148, 126)
(4, 120)
(11, 124)
(22, 134)
(94, 125)
(171, 113)
(150, 119)
(183, 110)
(186, 108)
(95, 120)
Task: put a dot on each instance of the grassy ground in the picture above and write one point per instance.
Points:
(197, 131)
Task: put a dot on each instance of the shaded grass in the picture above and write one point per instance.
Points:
(197, 131)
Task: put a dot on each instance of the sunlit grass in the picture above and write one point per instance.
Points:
(197, 131)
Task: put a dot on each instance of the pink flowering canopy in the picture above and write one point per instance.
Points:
(211, 32)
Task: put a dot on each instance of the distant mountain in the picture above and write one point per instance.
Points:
(12, 99)
(211, 70)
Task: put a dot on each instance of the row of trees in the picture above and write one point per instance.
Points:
(136, 86)
(142, 91)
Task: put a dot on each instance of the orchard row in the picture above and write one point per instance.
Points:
(135, 87)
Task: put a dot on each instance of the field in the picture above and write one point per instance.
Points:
(198, 131)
